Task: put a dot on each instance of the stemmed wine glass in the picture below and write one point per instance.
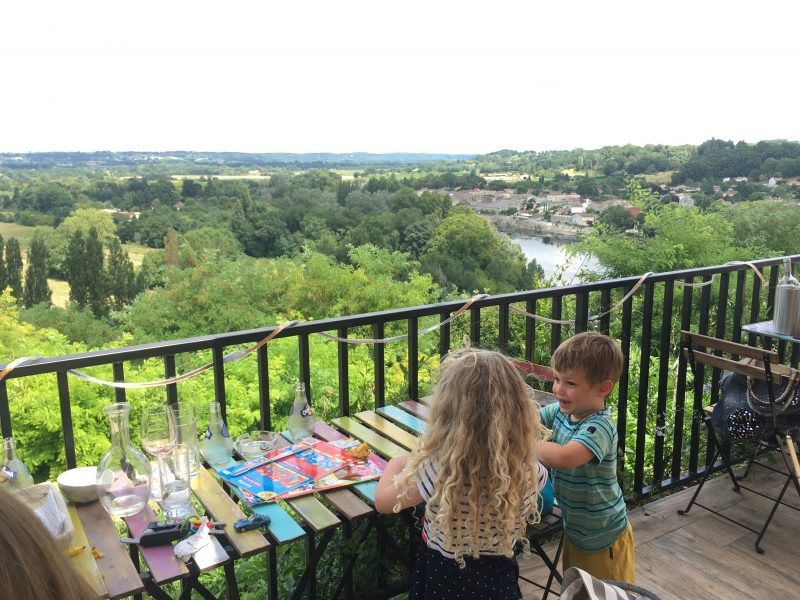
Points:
(158, 437)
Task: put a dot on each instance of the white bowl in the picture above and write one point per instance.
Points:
(78, 485)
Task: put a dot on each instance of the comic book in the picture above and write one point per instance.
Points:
(293, 469)
(275, 483)
(362, 470)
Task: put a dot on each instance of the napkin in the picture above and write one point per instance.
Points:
(185, 549)
(48, 505)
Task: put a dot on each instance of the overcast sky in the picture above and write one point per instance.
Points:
(379, 76)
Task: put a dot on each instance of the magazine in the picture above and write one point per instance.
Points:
(282, 485)
(295, 468)
(363, 470)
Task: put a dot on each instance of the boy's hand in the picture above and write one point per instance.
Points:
(568, 456)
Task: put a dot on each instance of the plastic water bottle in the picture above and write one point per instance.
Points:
(301, 417)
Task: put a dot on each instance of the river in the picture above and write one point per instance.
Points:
(549, 252)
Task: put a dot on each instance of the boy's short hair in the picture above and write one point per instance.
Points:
(598, 356)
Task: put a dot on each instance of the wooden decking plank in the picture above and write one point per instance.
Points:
(164, 566)
(415, 408)
(403, 418)
(210, 556)
(380, 444)
(327, 433)
(350, 506)
(388, 429)
(120, 576)
(221, 508)
(282, 527)
(426, 400)
(367, 490)
(84, 561)
(313, 512)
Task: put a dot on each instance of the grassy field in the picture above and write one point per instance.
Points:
(59, 287)
(60, 290)
(24, 234)
(21, 232)
(663, 177)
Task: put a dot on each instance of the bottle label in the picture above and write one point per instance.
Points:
(306, 411)
(7, 474)
(224, 431)
(208, 433)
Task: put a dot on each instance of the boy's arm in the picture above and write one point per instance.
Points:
(386, 494)
(570, 455)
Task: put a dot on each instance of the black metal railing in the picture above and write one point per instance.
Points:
(661, 444)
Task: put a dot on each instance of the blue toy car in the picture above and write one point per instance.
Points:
(254, 521)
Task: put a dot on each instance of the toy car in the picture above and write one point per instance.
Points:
(254, 521)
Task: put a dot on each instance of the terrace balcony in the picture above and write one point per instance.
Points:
(663, 448)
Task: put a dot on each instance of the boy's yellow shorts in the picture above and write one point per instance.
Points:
(617, 562)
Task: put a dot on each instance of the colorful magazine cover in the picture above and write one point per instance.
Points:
(363, 470)
(267, 481)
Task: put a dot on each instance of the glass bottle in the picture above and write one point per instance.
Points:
(123, 475)
(301, 416)
(217, 443)
(13, 474)
(786, 317)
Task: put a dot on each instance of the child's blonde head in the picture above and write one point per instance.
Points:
(483, 435)
(596, 355)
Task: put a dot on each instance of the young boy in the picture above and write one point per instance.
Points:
(583, 457)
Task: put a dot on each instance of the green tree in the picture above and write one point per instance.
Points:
(120, 277)
(36, 289)
(466, 252)
(171, 248)
(207, 240)
(75, 271)
(617, 217)
(3, 272)
(14, 267)
(680, 238)
(97, 295)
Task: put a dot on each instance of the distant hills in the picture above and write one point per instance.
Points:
(109, 159)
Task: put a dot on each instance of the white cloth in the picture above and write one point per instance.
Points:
(49, 507)
(185, 549)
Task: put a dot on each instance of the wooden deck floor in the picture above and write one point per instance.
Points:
(701, 556)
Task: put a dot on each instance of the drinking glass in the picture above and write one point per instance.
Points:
(176, 497)
(158, 438)
(184, 419)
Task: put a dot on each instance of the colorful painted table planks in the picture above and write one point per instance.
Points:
(401, 417)
(282, 528)
(388, 429)
(119, 574)
(221, 508)
(365, 489)
(378, 443)
(415, 408)
(84, 561)
(164, 566)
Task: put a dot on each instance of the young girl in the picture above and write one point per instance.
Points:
(476, 467)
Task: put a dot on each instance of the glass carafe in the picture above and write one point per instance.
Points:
(123, 475)
(217, 443)
(13, 474)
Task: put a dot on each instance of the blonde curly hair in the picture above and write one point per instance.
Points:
(483, 437)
